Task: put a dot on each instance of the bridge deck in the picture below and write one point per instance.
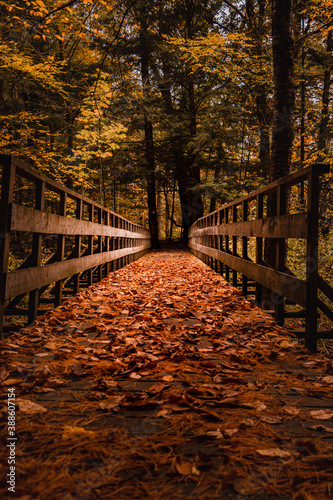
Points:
(162, 381)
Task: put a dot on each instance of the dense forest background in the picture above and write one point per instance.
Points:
(163, 110)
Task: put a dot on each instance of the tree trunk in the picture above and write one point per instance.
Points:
(284, 93)
(148, 131)
(282, 134)
(323, 135)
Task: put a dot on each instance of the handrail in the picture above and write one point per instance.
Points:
(209, 240)
(119, 241)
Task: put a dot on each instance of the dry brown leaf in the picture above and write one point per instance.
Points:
(245, 486)
(274, 452)
(27, 406)
(135, 376)
(322, 414)
(167, 378)
(12, 381)
(291, 410)
(270, 419)
(214, 434)
(111, 403)
(185, 467)
(229, 432)
(322, 427)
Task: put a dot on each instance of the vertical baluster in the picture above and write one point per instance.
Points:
(107, 242)
(312, 261)
(90, 249)
(77, 248)
(61, 249)
(7, 191)
(259, 242)
(234, 245)
(245, 208)
(227, 249)
(99, 245)
(280, 253)
(36, 251)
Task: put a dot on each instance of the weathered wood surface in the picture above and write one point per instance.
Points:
(29, 219)
(210, 238)
(285, 226)
(118, 240)
(23, 281)
(291, 287)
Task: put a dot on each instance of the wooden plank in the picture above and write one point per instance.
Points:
(312, 262)
(36, 251)
(285, 226)
(28, 219)
(8, 180)
(284, 284)
(22, 281)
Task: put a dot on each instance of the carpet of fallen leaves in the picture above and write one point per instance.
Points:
(163, 382)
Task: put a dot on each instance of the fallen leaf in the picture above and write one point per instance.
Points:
(12, 381)
(291, 410)
(27, 406)
(270, 420)
(328, 379)
(135, 376)
(185, 467)
(245, 486)
(322, 414)
(214, 434)
(274, 452)
(111, 403)
(322, 428)
(167, 378)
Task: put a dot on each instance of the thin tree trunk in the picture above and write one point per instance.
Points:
(323, 128)
(282, 134)
(148, 132)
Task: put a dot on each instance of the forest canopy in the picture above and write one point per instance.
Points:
(163, 110)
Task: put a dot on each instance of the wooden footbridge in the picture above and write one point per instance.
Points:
(221, 239)
(156, 378)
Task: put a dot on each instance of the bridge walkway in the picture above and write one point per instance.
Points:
(163, 381)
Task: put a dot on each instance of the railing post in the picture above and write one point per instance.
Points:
(8, 180)
(61, 249)
(77, 249)
(312, 261)
(280, 253)
(234, 245)
(36, 252)
(259, 240)
(90, 249)
(99, 245)
(227, 249)
(245, 208)
(107, 242)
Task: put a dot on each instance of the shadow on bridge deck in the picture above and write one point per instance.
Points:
(162, 381)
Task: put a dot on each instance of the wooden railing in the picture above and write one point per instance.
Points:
(110, 241)
(235, 223)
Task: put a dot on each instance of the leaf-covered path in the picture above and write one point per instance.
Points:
(163, 382)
